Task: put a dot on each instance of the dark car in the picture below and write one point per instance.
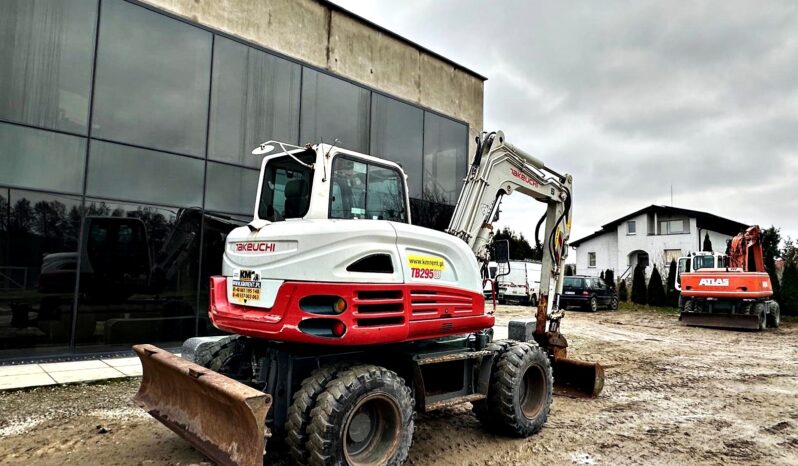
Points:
(589, 293)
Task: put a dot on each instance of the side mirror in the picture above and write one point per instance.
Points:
(501, 251)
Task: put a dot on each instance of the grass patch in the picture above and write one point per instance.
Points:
(632, 307)
(789, 319)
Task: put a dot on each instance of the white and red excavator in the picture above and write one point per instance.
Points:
(345, 318)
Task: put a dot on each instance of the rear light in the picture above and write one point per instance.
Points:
(339, 306)
(585, 293)
(338, 328)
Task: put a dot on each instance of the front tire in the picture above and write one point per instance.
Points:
(759, 310)
(614, 303)
(520, 391)
(363, 417)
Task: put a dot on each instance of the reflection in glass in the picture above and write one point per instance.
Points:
(255, 99)
(445, 158)
(46, 51)
(27, 156)
(231, 189)
(397, 135)
(38, 240)
(139, 273)
(334, 109)
(153, 74)
(125, 172)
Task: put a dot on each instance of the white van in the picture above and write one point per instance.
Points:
(521, 285)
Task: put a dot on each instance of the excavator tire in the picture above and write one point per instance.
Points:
(759, 310)
(481, 408)
(213, 356)
(363, 417)
(774, 316)
(304, 401)
(521, 389)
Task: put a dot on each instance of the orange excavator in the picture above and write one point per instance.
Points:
(731, 290)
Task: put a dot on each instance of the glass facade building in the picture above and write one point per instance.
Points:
(125, 138)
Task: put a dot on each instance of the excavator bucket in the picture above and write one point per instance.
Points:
(578, 378)
(736, 321)
(221, 417)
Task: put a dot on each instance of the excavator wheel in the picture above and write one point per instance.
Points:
(482, 408)
(363, 417)
(774, 316)
(520, 391)
(213, 356)
(759, 311)
(296, 427)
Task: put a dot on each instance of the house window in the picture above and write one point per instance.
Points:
(631, 227)
(642, 259)
(673, 227)
(591, 259)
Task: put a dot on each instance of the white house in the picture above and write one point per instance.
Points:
(653, 235)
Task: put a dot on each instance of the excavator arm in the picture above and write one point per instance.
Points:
(500, 169)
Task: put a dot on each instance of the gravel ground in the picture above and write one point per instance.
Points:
(673, 395)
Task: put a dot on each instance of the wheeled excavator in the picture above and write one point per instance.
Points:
(731, 290)
(344, 318)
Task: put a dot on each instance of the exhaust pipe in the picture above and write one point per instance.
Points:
(221, 417)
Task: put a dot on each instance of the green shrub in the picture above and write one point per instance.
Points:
(639, 294)
(623, 293)
(656, 292)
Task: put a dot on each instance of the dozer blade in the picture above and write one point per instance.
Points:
(221, 417)
(736, 321)
(578, 378)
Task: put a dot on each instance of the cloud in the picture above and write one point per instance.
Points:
(632, 97)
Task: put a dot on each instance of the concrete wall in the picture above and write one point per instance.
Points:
(312, 32)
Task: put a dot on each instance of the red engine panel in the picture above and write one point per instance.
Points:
(374, 314)
(722, 283)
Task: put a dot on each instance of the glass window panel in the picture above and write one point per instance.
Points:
(385, 195)
(124, 172)
(141, 274)
(38, 263)
(334, 109)
(287, 181)
(153, 74)
(348, 189)
(430, 214)
(397, 134)
(231, 189)
(216, 227)
(46, 54)
(34, 158)
(255, 99)
(445, 158)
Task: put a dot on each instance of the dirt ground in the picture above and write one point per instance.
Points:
(673, 395)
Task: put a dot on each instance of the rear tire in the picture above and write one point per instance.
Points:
(364, 416)
(774, 316)
(520, 392)
(759, 310)
(304, 400)
(592, 305)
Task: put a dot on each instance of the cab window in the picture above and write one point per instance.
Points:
(286, 187)
(368, 191)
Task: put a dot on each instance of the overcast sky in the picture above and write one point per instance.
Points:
(631, 97)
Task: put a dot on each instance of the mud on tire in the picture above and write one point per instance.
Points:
(304, 400)
(520, 391)
(481, 408)
(364, 416)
